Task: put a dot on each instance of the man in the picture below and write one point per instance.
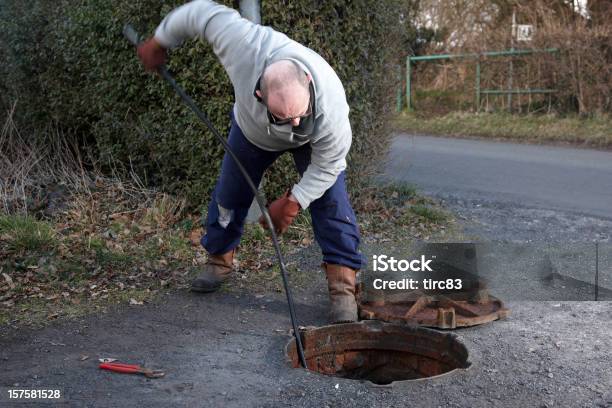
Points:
(287, 98)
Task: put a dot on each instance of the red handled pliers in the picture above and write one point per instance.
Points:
(132, 369)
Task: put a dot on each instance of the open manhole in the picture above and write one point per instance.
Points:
(379, 352)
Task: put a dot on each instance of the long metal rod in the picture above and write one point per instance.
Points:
(134, 38)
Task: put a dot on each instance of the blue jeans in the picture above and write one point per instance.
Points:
(333, 219)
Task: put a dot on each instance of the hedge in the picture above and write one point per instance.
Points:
(68, 63)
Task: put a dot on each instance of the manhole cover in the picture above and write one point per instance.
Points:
(379, 352)
(436, 311)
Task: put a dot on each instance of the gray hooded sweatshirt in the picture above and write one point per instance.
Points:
(245, 49)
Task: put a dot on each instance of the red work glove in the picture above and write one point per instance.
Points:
(282, 212)
(152, 54)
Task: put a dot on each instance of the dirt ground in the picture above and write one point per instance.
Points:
(226, 349)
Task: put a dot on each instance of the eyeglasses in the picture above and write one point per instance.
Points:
(277, 121)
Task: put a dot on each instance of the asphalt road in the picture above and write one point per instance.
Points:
(548, 177)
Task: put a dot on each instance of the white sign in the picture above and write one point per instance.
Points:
(524, 32)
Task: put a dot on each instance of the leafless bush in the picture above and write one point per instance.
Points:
(581, 72)
(30, 166)
(47, 174)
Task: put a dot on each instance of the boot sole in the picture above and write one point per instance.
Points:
(344, 321)
(201, 289)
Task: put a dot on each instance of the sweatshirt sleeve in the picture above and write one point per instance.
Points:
(221, 26)
(327, 161)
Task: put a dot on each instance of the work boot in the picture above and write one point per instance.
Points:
(341, 285)
(216, 271)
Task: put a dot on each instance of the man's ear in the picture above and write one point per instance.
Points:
(258, 93)
(309, 77)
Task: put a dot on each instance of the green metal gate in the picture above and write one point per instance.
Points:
(478, 91)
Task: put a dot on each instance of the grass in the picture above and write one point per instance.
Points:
(23, 233)
(113, 259)
(258, 269)
(593, 132)
(110, 244)
(435, 100)
(397, 212)
(428, 213)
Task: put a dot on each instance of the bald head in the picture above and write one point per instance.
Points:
(285, 91)
(282, 76)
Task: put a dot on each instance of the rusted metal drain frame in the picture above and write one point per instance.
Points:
(438, 312)
(380, 353)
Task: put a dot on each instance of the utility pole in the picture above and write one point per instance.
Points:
(250, 10)
(511, 67)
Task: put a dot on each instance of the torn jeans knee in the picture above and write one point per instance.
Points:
(225, 216)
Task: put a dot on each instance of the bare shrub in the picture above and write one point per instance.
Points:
(30, 166)
(581, 73)
(47, 175)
